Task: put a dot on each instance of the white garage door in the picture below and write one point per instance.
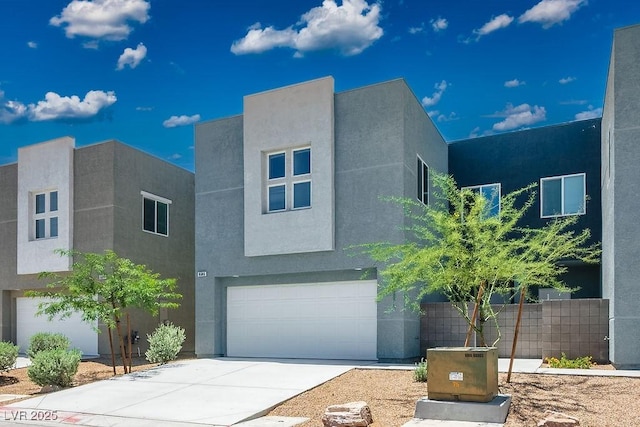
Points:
(81, 334)
(334, 320)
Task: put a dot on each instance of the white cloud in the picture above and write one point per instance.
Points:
(447, 118)
(521, 115)
(32, 44)
(565, 80)
(349, 28)
(56, 107)
(175, 156)
(439, 24)
(429, 101)
(183, 120)
(132, 57)
(514, 83)
(551, 12)
(496, 23)
(101, 19)
(591, 113)
(144, 108)
(416, 30)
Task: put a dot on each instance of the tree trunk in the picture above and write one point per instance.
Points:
(113, 355)
(123, 353)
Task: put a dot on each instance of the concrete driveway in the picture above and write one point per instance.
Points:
(219, 392)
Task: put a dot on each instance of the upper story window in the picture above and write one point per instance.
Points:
(45, 214)
(423, 181)
(288, 180)
(563, 195)
(155, 214)
(491, 194)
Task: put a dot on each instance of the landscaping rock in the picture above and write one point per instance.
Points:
(352, 414)
(557, 419)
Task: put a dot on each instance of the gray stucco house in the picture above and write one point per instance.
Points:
(282, 192)
(89, 199)
(284, 189)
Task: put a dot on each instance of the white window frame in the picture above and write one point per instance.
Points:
(480, 187)
(156, 199)
(47, 216)
(289, 180)
(562, 195)
(420, 193)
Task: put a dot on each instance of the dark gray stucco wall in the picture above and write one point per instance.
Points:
(621, 197)
(172, 256)
(372, 139)
(517, 159)
(8, 247)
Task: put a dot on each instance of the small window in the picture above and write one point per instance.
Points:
(276, 165)
(155, 214)
(288, 183)
(491, 194)
(563, 195)
(44, 215)
(423, 181)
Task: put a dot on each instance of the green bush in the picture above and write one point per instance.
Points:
(46, 341)
(54, 367)
(420, 373)
(8, 355)
(577, 363)
(165, 343)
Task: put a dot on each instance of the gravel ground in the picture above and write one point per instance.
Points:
(392, 395)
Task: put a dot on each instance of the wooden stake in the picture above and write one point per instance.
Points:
(515, 335)
(113, 356)
(129, 343)
(475, 314)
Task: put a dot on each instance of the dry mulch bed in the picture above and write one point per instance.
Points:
(392, 395)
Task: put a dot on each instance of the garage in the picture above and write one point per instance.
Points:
(334, 320)
(80, 333)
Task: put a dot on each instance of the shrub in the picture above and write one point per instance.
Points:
(46, 341)
(577, 363)
(8, 355)
(165, 343)
(420, 373)
(54, 367)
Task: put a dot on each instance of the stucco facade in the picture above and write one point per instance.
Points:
(98, 205)
(378, 132)
(620, 197)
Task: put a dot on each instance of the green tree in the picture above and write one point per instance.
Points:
(103, 287)
(458, 247)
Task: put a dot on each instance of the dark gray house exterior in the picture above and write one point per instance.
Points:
(89, 199)
(563, 160)
(282, 192)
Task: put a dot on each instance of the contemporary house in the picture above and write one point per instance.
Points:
(89, 199)
(284, 191)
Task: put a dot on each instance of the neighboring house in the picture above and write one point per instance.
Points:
(89, 199)
(563, 160)
(282, 192)
(620, 198)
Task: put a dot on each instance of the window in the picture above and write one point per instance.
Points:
(45, 215)
(563, 195)
(155, 214)
(288, 180)
(423, 181)
(491, 194)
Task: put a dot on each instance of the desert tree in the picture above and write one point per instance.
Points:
(466, 248)
(103, 287)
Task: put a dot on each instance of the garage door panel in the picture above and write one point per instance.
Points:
(81, 334)
(325, 320)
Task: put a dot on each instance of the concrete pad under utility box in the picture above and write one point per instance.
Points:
(494, 411)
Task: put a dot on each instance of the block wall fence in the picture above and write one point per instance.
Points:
(577, 327)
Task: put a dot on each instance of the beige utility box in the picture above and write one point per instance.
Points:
(468, 374)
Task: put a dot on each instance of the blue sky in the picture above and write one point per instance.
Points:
(143, 71)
